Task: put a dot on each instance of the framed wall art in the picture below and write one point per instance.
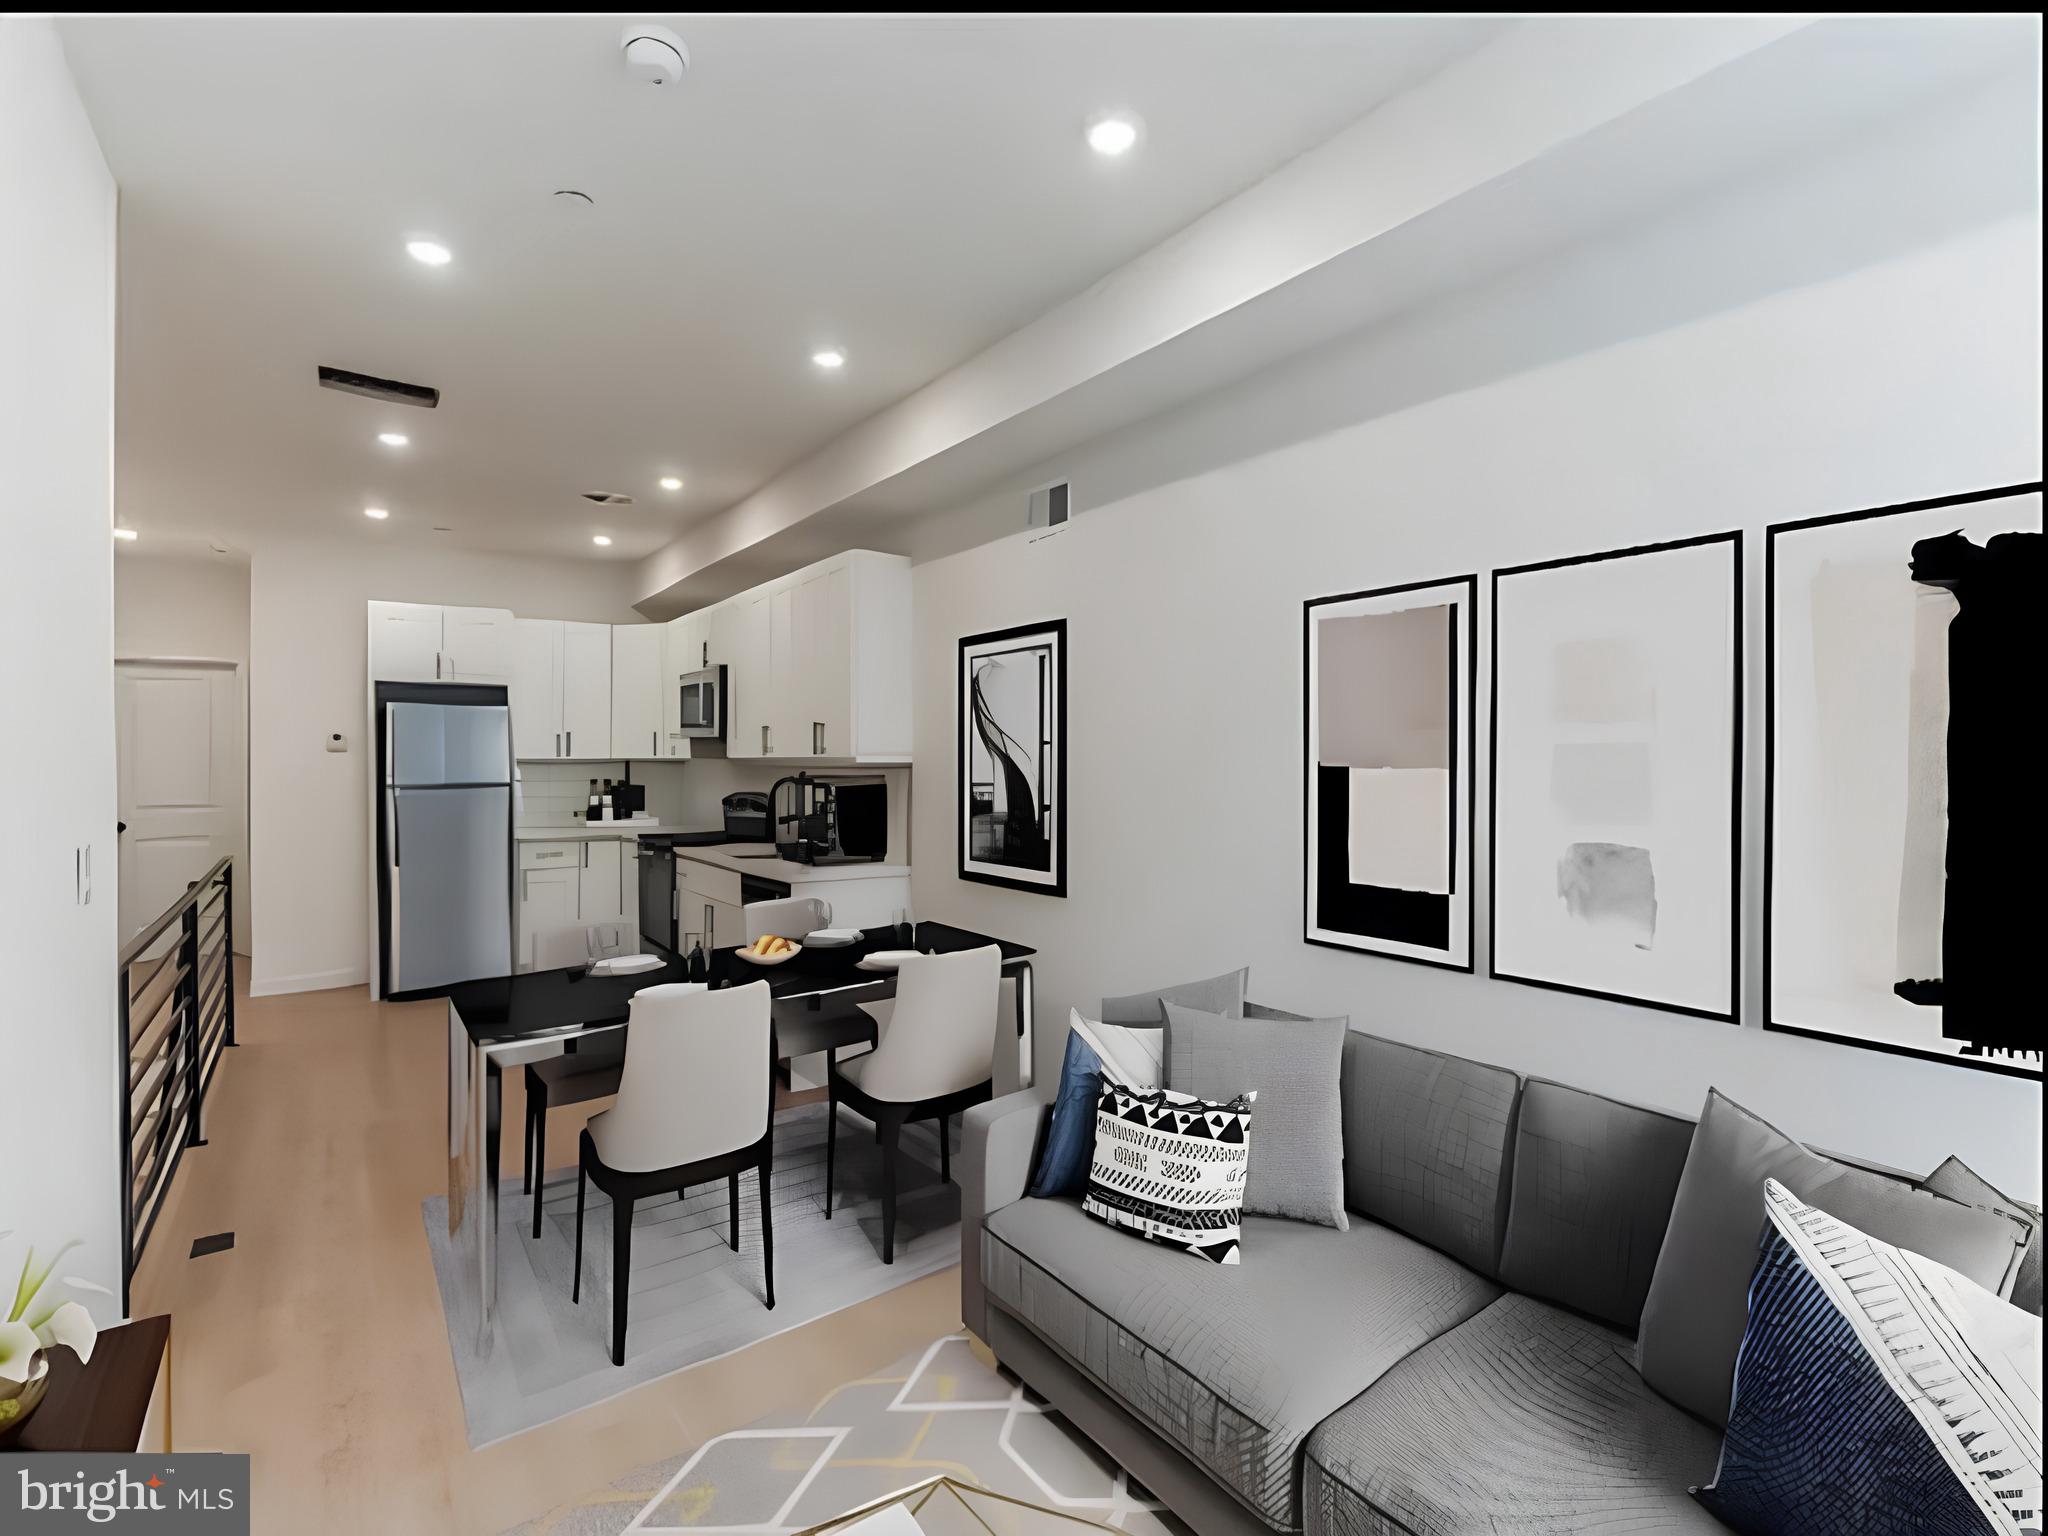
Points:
(1617, 775)
(1388, 719)
(1012, 727)
(1903, 820)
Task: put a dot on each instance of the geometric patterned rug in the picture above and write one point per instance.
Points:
(693, 1297)
(940, 1411)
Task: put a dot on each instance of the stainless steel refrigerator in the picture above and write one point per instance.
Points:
(445, 828)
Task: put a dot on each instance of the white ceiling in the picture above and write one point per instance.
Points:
(910, 189)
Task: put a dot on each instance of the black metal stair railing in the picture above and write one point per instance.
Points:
(177, 1014)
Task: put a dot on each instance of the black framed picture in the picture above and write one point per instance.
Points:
(1012, 727)
(1615, 866)
(1903, 811)
(1387, 752)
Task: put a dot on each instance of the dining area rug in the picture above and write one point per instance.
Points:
(936, 1411)
(693, 1298)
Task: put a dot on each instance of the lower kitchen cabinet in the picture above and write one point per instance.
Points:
(601, 894)
(549, 897)
(575, 882)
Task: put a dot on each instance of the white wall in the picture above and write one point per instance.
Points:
(191, 606)
(59, 1178)
(1911, 376)
(308, 808)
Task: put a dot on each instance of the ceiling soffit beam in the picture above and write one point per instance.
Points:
(1498, 108)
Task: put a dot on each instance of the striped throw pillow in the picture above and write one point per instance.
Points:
(1170, 1167)
(1877, 1393)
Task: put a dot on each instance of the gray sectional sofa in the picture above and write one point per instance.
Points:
(1460, 1360)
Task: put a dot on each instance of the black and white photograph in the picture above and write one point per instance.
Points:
(1905, 825)
(1616, 784)
(1013, 757)
(1387, 843)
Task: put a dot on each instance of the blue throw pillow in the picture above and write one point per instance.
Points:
(1877, 1393)
(1070, 1144)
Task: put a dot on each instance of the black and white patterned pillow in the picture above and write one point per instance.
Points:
(1170, 1167)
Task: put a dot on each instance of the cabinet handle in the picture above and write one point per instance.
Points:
(710, 937)
(558, 743)
(818, 738)
(572, 743)
(586, 855)
(764, 741)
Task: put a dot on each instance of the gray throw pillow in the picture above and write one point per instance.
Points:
(1219, 994)
(1959, 1181)
(1296, 1167)
(1698, 1304)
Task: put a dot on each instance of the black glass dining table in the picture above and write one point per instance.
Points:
(501, 1022)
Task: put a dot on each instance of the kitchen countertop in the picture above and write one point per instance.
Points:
(718, 856)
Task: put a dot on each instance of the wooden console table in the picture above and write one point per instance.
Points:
(107, 1405)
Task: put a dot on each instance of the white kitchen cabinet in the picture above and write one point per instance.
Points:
(636, 690)
(819, 663)
(549, 897)
(600, 893)
(561, 689)
(536, 689)
(427, 643)
(744, 638)
(405, 642)
(586, 690)
(476, 645)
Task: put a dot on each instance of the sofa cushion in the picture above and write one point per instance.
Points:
(1235, 1365)
(1426, 1145)
(1592, 1192)
(1296, 1167)
(1959, 1181)
(1218, 994)
(1699, 1296)
(1525, 1419)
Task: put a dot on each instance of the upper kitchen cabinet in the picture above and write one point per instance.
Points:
(561, 689)
(427, 643)
(820, 662)
(637, 691)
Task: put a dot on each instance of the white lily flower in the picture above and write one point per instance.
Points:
(72, 1326)
(93, 1286)
(18, 1346)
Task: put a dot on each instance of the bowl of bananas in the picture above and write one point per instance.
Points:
(770, 950)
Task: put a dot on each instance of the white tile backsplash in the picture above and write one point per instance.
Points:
(555, 794)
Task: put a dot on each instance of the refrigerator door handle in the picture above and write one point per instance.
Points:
(392, 796)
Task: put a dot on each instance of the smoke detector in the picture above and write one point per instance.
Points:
(607, 498)
(654, 54)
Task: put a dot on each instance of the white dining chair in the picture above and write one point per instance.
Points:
(933, 1057)
(789, 917)
(573, 1071)
(696, 1104)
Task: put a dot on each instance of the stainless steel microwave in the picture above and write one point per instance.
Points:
(703, 704)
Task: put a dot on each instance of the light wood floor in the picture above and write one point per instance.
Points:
(317, 1342)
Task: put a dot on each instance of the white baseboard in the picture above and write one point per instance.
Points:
(311, 981)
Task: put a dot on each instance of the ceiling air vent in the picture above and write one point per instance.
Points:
(1047, 506)
(608, 498)
(374, 388)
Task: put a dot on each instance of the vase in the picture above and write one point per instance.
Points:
(18, 1400)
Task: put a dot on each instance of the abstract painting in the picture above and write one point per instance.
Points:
(1013, 757)
(1903, 826)
(1388, 725)
(1617, 744)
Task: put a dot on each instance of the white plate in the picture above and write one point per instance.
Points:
(625, 965)
(884, 959)
(833, 938)
(776, 959)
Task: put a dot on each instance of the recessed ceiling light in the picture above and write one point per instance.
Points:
(599, 538)
(393, 439)
(831, 357)
(1112, 135)
(129, 534)
(671, 483)
(379, 513)
(430, 252)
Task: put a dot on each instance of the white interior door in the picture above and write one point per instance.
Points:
(179, 740)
